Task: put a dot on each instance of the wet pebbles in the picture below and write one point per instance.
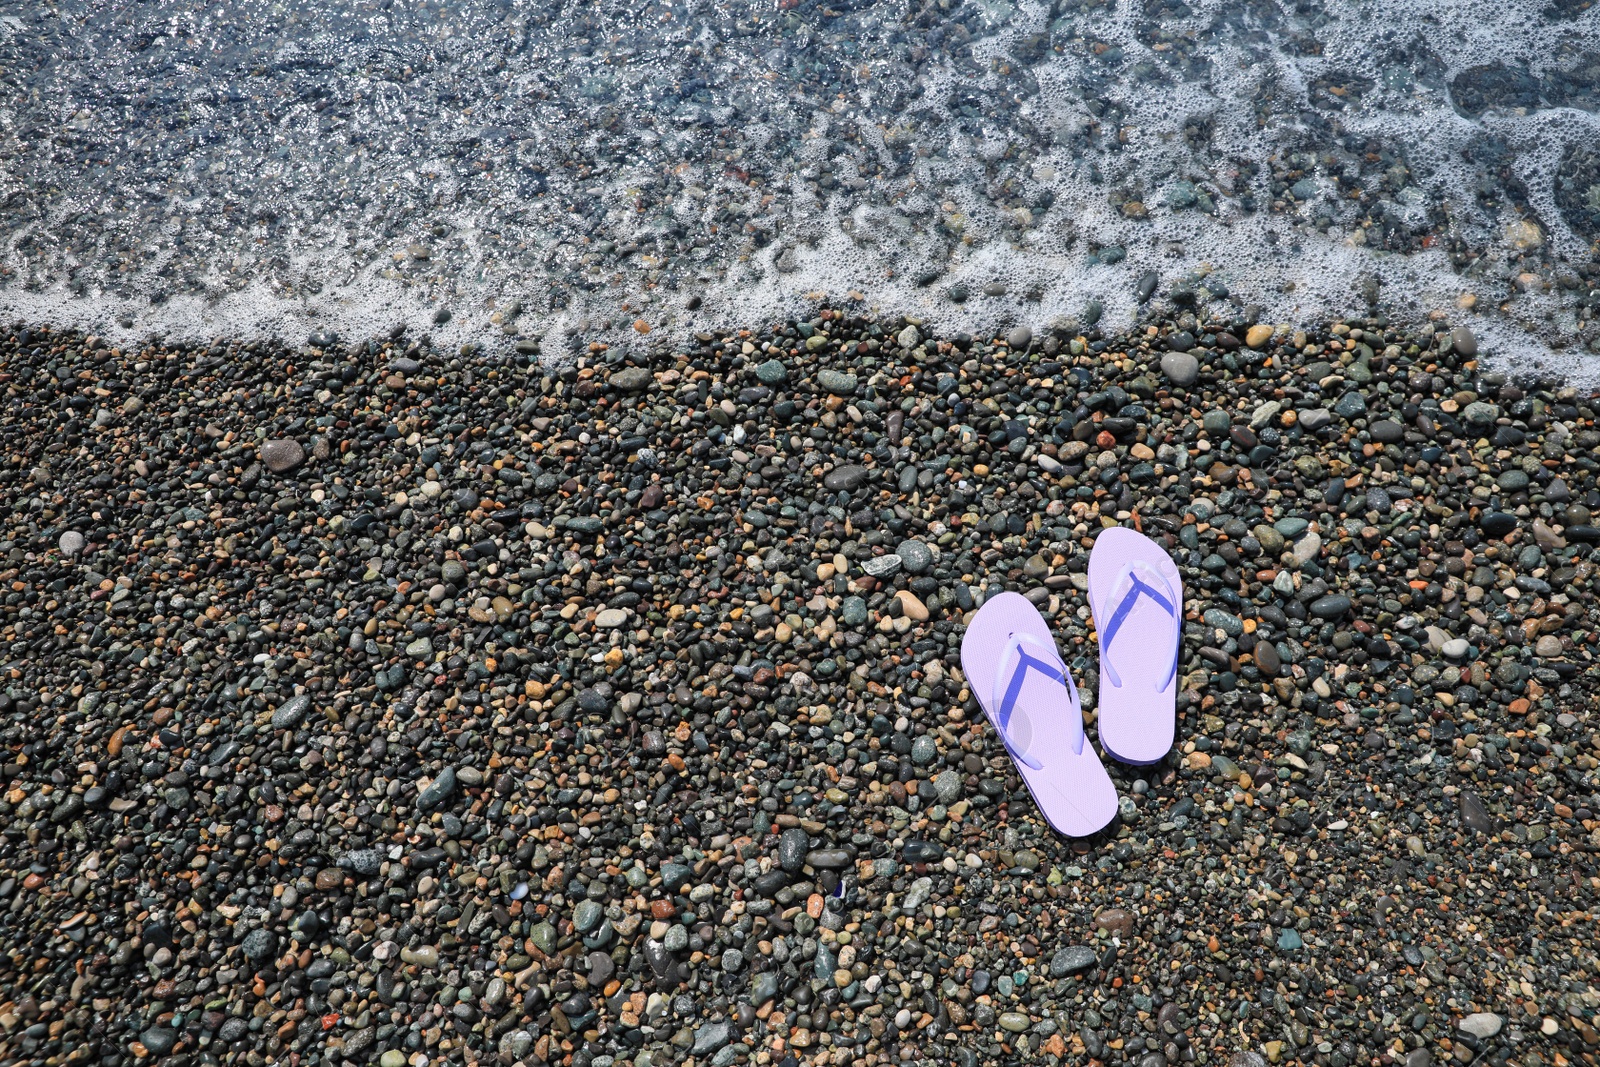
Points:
(613, 714)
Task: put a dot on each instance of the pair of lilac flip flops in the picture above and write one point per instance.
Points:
(1013, 668)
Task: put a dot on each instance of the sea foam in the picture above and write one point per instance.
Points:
(576, 174)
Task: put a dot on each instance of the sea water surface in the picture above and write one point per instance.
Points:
(507, 171)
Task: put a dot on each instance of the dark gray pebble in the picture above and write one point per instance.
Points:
(291, 713)
(1071, 960)
(848, 478)
(1333, 606)
(442, 788)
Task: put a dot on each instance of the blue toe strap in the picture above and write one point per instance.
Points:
(1147, 584)
(1053, 670)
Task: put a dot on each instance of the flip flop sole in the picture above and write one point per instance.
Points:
(1073, 790)
(1137, 721)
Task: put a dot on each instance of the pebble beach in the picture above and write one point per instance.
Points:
(387, 702)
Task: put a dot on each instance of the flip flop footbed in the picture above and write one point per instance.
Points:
(1136, 595)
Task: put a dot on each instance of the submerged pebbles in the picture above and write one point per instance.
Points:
(613, 714)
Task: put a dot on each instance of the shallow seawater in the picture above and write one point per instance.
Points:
(572, 173)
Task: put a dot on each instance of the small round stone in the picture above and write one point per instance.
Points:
(259, 944)
(915, 557)
(1181, 368)
(587, 915)
(282, 455)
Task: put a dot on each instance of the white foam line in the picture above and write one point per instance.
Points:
(970, 208)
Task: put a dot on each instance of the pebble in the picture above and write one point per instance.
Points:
(1350, 406)
(847, 478)
(291, 713)
(837, 382)
(259, 945)
(632, 379)
(1481, 1025)
(421, 956)
(1071, 960)
(792, 848)
(911, 607)
(884, 566)
(1019, 337)
(915, 557)
(71, 543)
(1474, 815)
(159, 1040)
(1264, 414)
(1333, 606)
(1225, 621)
(610, 618)
(828, 859)
(1271, 540)
(1180, 368)
(438, 791)
(1306, 549)
(1386, 431)
(543, 937)
(1314, 419)
(710, 1038)
(282, 455)
(1117, 921)
(365, 862)
(586, 916)
(1497, 524)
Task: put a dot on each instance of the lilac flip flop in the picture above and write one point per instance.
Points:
(1011, 663)
(1136, 595)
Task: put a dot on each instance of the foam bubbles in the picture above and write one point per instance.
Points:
(555, 171)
